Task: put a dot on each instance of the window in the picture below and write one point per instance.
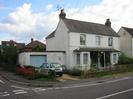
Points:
(85, 58)
(7, 45)
(78, 58)
(114, 58)
(110, 41)
(82, 39)
(98, 40)
(15, 44)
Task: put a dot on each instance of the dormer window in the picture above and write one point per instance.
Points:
(82, 39)
(110, 41)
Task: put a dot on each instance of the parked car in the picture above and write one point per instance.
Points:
(56, 67)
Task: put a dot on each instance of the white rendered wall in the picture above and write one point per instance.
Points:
(59, 57)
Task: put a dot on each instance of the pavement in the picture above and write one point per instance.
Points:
(65, 80)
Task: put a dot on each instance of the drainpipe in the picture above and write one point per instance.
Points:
(104, 60)
(98, 60)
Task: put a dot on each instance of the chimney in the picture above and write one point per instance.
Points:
(32, 39)
(108, 23)
(62, 14)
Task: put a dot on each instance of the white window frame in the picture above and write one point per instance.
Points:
(110, 41)
(82, 39)
(15, 44)
(85, 58)
(7, 44)
(114, 58)
(98, 40)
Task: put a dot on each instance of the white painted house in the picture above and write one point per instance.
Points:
(85, 44)
(126, 41)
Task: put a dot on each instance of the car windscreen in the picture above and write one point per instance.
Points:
(56, 65)
(45, 65)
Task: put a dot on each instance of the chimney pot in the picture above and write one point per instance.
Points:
(62, 14)
(32, 39)
(108, 23)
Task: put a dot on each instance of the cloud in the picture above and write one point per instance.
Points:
(119, 12)
(49, 7)
(22, 24)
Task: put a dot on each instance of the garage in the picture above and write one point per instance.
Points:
(37, 60)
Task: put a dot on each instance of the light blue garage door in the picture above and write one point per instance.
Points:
(37, 60)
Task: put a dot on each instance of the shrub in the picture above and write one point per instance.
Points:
(74, 72)
(52, 73)
(110, 71)
(124, 67)
(40, 76)
(9, 55)
(10, 68)
(30, 73)
(123, 59)
(25, 71)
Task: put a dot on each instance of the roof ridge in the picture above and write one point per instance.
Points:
(129, 30)
(84, 21)
(126, 27)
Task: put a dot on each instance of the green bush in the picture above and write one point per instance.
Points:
(74, 72)
(10, 68)
(124, 67)
(52, 73)
(40, 76)
(8, 58)
(116, 70)
(123, 59)
(31, 74)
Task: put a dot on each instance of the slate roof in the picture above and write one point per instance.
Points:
(87, 27)
(129, 30)
(96, 49)
(51, 35)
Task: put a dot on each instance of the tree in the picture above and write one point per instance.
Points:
(0, 56)
(9, 55)
(38, 48)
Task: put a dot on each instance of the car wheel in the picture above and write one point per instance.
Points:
(60, 75)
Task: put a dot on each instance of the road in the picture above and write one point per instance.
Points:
(10, 90)
(120, 88)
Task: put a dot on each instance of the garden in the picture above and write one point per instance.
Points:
(31, 73)
(9, 56)
(125, 64)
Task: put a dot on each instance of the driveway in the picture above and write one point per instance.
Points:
(67, 77)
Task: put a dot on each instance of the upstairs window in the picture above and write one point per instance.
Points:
(110, 41)
(82, 39)
(98, 40)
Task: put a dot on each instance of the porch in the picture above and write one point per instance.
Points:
(87, 58)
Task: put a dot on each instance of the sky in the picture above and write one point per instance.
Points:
(21, 20)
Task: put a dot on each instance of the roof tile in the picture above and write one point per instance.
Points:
(129, 30)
